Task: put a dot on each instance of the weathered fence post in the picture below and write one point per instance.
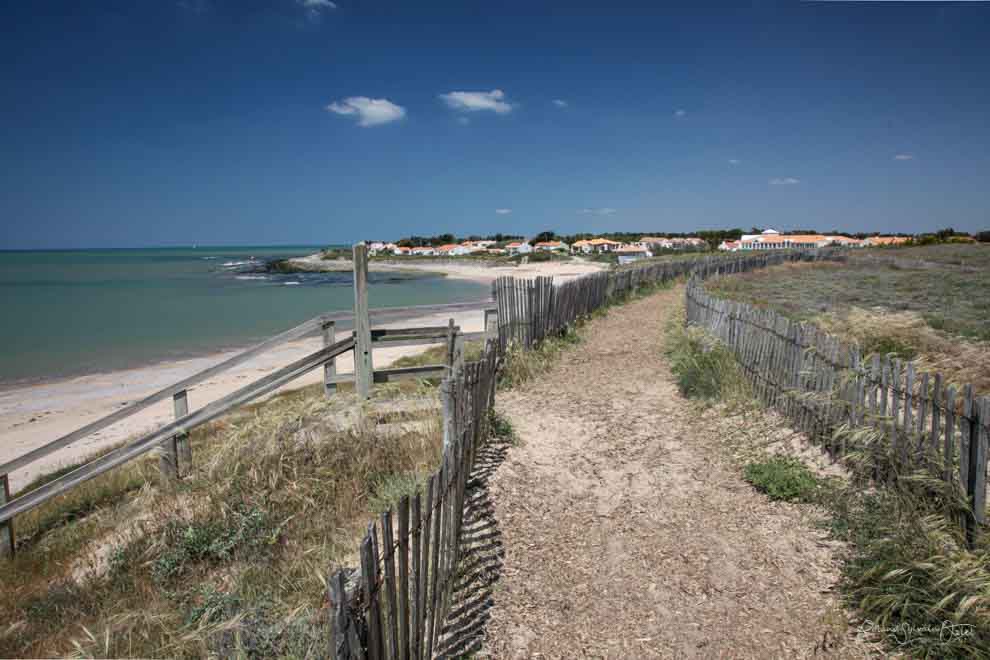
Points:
(183, 448)
(176, 451)
(491, 325)
(447, 404)
(976, 482)
(168, 459)
(6, 528)
(363, 368)
(344, 633)
(330, 368)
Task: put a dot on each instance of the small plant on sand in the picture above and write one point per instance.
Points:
(782, 478)
(703, 366)
(521, 365)
(501, 429)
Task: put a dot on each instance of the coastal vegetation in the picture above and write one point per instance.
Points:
(930, 304)
(230, 560)
(907, 571)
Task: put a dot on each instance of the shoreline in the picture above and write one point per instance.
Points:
(455, 268)
(34, 414)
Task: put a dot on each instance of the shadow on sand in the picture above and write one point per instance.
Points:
(481, 559)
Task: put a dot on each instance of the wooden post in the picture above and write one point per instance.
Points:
(491, 325)
(168, 459)
(363, 368)
(330, 368)
(447, 404)
(183, 449)
(458, 358)
(344, 635)
(976, 479)
(6, 528)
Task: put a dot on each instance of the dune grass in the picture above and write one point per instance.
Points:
(230, 560)
(938, 315)
(908, 572)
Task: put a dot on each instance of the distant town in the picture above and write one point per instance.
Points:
(626, 247)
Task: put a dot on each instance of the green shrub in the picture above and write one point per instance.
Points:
(782, 478)
(704, 367)
(213, 540)
(500, 428)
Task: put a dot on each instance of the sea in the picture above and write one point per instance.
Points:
(73, 312)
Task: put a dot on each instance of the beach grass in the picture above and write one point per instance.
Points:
(907, 571)
(936, 312)
(231, 559)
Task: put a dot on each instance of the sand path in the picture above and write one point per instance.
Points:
(628, 534)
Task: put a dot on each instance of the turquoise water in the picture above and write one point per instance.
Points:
(81, 311)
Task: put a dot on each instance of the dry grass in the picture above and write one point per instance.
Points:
(938, 315)
(909, 336)
(229, 561)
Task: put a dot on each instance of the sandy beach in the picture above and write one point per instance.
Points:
(34, 415)
(466, 269)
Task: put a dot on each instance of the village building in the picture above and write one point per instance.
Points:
(518, 247)
(630, 253)
(596, 245)
(654, 243)
(551, 246)
(452, 250)
(423, 252)
(886, 240)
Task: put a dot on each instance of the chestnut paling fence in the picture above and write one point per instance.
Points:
(399, 602)
(823, 384)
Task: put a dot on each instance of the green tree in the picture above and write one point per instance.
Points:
(543, 237)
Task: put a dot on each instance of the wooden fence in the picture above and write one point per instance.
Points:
(821, 383)
(395, 606)
(529, 311)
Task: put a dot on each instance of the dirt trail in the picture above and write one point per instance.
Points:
(628, 534)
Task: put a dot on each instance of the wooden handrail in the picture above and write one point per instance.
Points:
(151, 440)
(297, 332)
(303, 329)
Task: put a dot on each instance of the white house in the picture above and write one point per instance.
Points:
(423, 252)
(519, 248)
(551, 246)
(596, 245)
(452, 250)
(629, 253)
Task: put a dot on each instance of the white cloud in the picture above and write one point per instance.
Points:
(314, 8)
(370, 112)
(680, 113)
(503, 211)
(599, 211)
(786, 181)
(560, 103)
(734, 161)
(317, 5)
(904, 157)
(474, 101)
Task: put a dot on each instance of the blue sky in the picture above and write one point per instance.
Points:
(240, 121)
